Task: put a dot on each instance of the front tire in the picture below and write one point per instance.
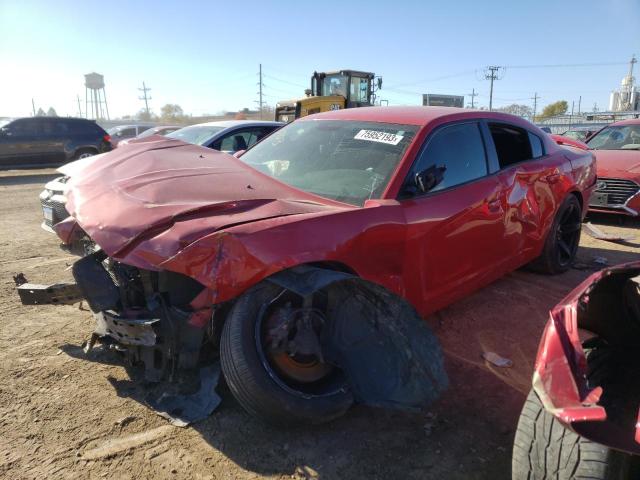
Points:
(563, 239)
(544, 449)
(260, 384)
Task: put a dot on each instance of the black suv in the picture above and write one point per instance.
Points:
(49, 141)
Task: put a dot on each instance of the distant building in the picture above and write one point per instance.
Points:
(627, 99)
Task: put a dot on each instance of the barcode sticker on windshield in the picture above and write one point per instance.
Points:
(382, 137)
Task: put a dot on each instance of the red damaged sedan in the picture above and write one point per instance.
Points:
(617, 149)
(308, 261)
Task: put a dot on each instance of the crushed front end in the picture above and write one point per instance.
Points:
(157, 318)
(587, 371)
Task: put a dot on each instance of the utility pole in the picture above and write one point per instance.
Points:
(33, 106)
(79, 108)
(491, 73)
(579, 103)
(535, 105)
(144, 97)
(260, 85)
(473, 94)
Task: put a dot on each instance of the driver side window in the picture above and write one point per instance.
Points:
(456, 150)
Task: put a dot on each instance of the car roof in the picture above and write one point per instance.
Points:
(47, 117)
(237, 123)
(630, 121)
(410, 115)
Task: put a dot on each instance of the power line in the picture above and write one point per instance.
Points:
(433, 79)
(285, 81)
(144, 97)
(568, 65)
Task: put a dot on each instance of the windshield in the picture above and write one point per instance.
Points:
(335, 85)
(621, 137)
(576, 134)
(342, 160)
(196, 134)
(114, 130)
(4, 122)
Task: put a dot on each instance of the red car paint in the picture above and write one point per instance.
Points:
(620, 164)
(191, 210)
(560, 372)
(572, 142)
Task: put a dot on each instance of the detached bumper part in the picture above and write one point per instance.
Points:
(126, 331)
(55, 294)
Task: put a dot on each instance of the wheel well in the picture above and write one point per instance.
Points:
(85, 149)
(335, 266)
(578, 195)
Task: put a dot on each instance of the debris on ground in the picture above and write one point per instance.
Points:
(598, 234)
(182, 410)
(20, 279)
(601, 261)
(497, 360)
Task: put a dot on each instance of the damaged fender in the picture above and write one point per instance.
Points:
(388, 353)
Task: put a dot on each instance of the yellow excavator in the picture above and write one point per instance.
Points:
(331, 91)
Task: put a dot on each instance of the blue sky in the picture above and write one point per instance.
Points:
(204, 55)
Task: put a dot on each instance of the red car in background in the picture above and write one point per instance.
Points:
(617, 150)
(308, 261)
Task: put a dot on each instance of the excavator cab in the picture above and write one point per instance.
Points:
(331, 91)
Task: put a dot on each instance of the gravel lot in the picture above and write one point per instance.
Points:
(63, 415)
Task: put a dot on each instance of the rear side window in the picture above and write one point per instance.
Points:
(537, 148)
(460, 150)
(83, 128)
(512, 144)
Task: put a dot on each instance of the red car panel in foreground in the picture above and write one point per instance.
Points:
(388, 205)
(586, 377)
(617, 150)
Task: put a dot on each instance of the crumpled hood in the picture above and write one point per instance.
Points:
(169, 194)
(611, 161)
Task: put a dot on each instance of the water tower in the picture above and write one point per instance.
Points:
(95, 98)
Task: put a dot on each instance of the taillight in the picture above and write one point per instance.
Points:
(107, 138)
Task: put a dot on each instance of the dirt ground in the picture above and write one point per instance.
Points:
(63, 415)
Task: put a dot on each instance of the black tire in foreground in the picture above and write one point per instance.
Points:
(544, 449)
(562, 242)
(257, 384)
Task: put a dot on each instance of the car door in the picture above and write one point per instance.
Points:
(238, 139)
(52, 139)
(19, 143)
(455, 230)
(530, 180)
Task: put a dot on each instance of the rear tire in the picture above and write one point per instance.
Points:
(561, 245)
(84, 153)
(255, 385)
(545, 449)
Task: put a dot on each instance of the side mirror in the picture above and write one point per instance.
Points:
(118, 134)
(428, 179)
(238, 153)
